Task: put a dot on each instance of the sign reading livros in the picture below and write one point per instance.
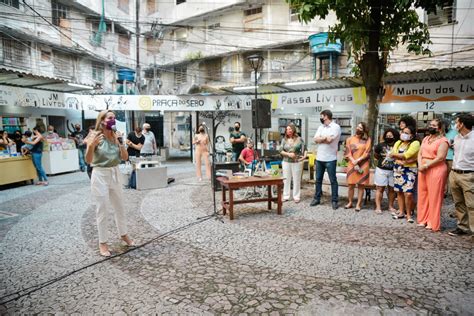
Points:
(403, 93)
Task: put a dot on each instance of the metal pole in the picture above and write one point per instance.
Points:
(137, 45)
(256, 112)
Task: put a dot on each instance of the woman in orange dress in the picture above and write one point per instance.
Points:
(432, 170)
(358, 170)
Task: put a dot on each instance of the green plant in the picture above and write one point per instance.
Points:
(342, 163)
(194, 55)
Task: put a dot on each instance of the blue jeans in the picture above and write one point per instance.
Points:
(82, 163)
(36, 157)
(235, 155)
(321, 167)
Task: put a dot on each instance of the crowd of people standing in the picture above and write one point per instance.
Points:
(413, 171)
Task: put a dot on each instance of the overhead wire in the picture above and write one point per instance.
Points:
(165, 69)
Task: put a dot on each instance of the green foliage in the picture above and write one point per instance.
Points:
(399, 24)
(371, 29)
(194, 55)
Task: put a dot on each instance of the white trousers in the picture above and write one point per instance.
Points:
(292, 170)
(106, 188)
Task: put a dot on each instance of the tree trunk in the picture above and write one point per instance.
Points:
(372, 77)
(372, 67)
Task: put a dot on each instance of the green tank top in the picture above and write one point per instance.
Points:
(106, 155)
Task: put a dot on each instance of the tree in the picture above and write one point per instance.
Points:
(372, 29)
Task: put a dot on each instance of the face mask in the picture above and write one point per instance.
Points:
(432, 130)
(322, 120)
(405, 137)
(50, 132)
(389, 140)
(236, 128)
(201, 131)
(109, 124)
(78, 129)
(358, 132)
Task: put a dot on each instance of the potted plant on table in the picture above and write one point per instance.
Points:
(341, 166)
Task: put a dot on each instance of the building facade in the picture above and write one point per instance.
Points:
(79, 42)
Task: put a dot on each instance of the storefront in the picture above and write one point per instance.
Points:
(23, 109)
(425, 101)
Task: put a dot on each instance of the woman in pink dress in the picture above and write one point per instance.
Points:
(432, 172)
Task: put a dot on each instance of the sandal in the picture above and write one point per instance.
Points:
(348, 206)
(398, 216)
(104, 252)
(378, 212)
(410, 220)
(127, 241)
(393, 211)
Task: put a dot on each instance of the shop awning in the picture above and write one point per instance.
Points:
(25, 79)
(295, 86)
(428, 75)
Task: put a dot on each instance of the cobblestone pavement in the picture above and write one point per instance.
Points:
(310, 260)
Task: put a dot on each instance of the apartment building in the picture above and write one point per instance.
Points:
(202, 46)
(64, 43)
(452, 37)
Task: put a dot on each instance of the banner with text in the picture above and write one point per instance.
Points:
(429, 92)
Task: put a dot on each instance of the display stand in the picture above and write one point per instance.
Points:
(16, 169)
(60, 161)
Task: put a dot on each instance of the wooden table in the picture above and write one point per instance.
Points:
(16, 169)
(233, 184)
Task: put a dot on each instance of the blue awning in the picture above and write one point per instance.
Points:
(318, 44)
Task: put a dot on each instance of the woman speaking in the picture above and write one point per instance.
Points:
(104, 152)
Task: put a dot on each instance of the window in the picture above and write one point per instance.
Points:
(15, 52)
(253, 19)
(213, 70)
(124, 44)
(58, 12)
(98, 71)
(151, 6)
(45, 55)
(252, 11)
(180, 1)
(444, 14)
(124, 5)
(293, 14)
(62, 65)
(11, 3)
(180, 37)
(180, 75)
(153, 46)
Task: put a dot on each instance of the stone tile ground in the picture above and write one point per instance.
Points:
(310, 260)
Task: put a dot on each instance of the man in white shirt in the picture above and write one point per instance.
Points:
(461, 177)
(149, 147)
(327, 136)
